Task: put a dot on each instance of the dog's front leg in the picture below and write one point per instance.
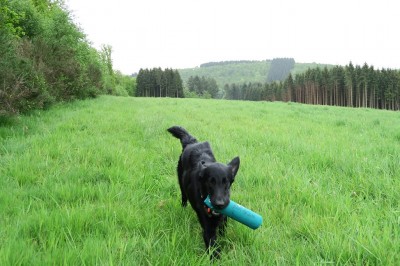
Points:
(209, 226)
(210, 238)
(223, 225)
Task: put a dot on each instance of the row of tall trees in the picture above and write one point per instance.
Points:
(203, 87)
(254, 91)
(159, 83)
(352, 86)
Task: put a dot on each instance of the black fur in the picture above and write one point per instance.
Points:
(199, 175)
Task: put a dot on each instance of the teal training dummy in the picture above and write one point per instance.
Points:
(238, 213)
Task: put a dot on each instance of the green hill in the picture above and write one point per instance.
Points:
(229, 72)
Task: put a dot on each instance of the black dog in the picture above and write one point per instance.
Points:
(200, 175)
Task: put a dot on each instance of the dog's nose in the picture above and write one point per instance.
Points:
(219, 204)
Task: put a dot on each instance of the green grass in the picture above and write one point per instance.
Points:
(94, 182)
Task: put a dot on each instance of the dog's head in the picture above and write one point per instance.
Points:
(217, 179)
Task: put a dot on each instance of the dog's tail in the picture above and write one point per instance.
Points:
(181, 133)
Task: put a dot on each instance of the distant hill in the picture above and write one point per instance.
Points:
(280, 69)
(228, 72)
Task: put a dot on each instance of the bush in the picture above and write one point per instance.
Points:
(45, 58)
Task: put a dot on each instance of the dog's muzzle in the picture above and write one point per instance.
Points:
(210, 212)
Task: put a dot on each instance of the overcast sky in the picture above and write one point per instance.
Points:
(187, 33)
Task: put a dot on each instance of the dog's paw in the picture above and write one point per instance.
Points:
(215, 254)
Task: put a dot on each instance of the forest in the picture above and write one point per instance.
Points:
(351, 86)
(46, 58)
(159, 83)
(203, 87)
(255, 91)
(168, 83)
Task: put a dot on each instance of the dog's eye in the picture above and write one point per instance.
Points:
(224, 181)
(213, 181)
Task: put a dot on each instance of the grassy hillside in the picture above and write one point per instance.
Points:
(240, 72)
(94, 182)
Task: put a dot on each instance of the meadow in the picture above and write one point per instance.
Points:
(94, 182)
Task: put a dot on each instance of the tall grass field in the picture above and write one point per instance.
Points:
(94, 183)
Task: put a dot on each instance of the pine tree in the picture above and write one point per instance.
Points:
(349, 84)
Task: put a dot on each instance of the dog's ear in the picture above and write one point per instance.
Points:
(202, 168)
(234, 165)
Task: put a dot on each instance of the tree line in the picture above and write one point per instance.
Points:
(222, 63)
(159, 83)
(255, 91)
(202, 87)
(46, 58)
(351, 86)
(168, 83)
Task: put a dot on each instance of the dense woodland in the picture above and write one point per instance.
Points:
(346, 86)
(203, 87)
(352, 86)
(256, 91)
(46, 58)
(159, 83)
